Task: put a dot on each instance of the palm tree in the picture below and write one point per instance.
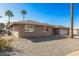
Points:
(23, 12)
(9, 14)
(71, 20)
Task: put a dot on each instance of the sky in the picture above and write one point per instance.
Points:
(51, 13)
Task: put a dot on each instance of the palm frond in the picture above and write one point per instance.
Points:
(23, 12)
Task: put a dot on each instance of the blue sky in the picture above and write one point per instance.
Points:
(52, 13)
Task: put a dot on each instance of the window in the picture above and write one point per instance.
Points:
(29, 28)
(45, 29)
(26, 28)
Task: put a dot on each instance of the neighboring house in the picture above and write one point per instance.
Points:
(31, 28)
(2, 28)
(76, 31)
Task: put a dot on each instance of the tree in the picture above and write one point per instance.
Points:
(9, 14)
(2, 25)
(23, 12)
(71, 20)
(7, 25)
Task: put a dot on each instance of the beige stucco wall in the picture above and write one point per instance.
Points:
(37, 32)
(34, 34)
(39, 29)
(19, 31)
(14, 30)
(76, 32)
(15, 33)
(63, 31)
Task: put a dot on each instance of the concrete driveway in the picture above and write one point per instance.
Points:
(53, 47)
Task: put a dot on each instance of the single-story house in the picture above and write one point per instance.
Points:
(76, 31)
(31, 28)
(60, 30)
(2, 28)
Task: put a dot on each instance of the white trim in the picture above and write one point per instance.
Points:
(29, 28)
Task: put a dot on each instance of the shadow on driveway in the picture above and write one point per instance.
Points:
(46, 38)
(11, 52)
(6, 52)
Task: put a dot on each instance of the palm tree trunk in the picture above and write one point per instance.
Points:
(9, 19)
(8, 24)
(71, 20)
(23, 17)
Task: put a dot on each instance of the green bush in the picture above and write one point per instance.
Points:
(5, 44)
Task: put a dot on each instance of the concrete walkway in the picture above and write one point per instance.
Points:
(75, 53)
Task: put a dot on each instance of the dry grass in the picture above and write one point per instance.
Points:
(5, 44)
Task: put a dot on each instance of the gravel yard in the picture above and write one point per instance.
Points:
(58, 47)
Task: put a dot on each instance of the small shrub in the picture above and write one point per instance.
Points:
(5, 44)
